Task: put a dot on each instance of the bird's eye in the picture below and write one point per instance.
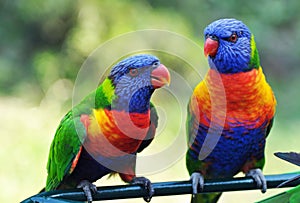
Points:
(133, 72)
(233, 38)
(155, 64)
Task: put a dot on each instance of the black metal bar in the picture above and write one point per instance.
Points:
(161, 189)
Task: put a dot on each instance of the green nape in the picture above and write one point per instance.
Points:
(98, 99)
(254, 60)
(105, 93)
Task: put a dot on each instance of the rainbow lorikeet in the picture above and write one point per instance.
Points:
(102, 134)
(292, 195)
(231, 111)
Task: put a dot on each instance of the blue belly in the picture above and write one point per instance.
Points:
(234, 148)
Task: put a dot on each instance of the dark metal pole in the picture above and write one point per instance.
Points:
(161, 189)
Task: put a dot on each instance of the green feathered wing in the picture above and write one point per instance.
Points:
(64, 148)
(191, 132)
(70, 134)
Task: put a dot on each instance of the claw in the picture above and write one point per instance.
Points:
(259, 178)
(197, 179)
(146, 184)
(88, 188)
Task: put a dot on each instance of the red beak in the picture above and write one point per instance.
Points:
(211, 47)
(160, 76)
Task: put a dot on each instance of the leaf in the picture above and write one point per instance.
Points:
(291, 157)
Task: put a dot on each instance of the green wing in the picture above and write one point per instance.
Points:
(70, 134)
(192, 165)
(190, 124)
(64, 148)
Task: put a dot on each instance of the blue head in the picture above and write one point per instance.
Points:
(230, 46)
(134, 79)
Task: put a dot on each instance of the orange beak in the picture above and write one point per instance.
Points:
(160, 76)
(211, 47)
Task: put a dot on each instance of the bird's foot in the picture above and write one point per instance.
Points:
(259, 178)
(197, 179)
(88, 189)
(146, 184)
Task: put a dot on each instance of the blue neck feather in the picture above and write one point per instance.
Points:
(133, 101)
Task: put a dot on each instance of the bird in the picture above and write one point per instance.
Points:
(103, 133)
(230, 112)
(292, 195)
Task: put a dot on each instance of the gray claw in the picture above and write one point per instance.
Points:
(146, 184)
(88, 188)
(259, 178)
(197, 179)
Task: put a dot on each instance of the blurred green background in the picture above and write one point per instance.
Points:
(43, 44)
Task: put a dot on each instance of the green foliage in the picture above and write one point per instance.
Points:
(43, 41)
(48, 40)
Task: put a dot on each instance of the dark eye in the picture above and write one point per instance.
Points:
(233, 38)
(133, 72)
(155, 64)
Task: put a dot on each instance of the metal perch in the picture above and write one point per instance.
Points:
(161, 189)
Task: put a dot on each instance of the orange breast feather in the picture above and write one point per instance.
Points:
(234, 99)
(115, 133)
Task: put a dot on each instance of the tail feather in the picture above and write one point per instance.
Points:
(206, 198)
